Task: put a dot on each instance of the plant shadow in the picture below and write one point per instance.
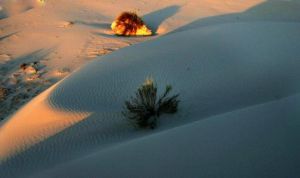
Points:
(94, 24)
(156, 18)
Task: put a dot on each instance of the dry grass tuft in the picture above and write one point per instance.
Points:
(144, 109)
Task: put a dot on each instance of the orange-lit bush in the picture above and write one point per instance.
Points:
(130, 24)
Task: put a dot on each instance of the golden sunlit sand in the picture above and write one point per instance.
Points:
(33, 124)
(66, 70)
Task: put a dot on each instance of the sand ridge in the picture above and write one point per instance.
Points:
(29, 129)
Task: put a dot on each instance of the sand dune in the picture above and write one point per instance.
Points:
(29, 129)
(235, 65)
(250, 142)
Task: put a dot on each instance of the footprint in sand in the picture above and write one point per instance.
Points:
(62, 72)
(102, 47)
(92, 53)
(4, 58)
(66, 24)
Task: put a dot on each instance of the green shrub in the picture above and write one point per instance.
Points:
(145, 107)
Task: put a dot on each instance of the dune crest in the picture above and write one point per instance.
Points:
(34, 123)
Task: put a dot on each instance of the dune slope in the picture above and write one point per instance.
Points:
(61, 36)
(258, 141)
(216, 69)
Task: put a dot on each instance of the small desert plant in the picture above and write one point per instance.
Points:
(144, 109)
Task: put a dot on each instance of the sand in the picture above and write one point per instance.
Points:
(235, 65)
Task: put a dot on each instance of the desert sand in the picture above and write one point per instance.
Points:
(234, 63)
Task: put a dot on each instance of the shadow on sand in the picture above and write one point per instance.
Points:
(155, 19)
(34, 56)
(7, 36)
(94, 24)
(287, 11)
(17, 166)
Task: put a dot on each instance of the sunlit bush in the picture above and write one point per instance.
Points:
(130, 24)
